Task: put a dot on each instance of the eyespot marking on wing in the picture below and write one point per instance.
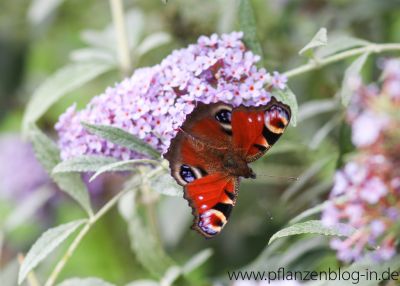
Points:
(223, 115)
(187, 174)
(276, 118)
(211, 222)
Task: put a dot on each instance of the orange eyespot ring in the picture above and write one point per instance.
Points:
(276, 119)
(211, 222)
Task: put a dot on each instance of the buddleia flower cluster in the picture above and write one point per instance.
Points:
(154, 102)
(366, 191)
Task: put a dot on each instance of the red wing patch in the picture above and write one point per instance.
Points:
(212, 199)
(255, 130)
(211, 151)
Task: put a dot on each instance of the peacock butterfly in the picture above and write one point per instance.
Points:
(211, 151)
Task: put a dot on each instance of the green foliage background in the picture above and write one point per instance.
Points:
(31, 49)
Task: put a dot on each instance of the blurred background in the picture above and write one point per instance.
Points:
(39, 37)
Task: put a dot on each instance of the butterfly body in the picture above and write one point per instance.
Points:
(212, 151)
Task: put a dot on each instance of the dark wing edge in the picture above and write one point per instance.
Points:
(210, 222)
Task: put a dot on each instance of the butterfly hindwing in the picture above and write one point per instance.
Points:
(211, 151)
(196, 156)
(212, 199)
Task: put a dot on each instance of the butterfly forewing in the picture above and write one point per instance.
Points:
(209, 151)
(256, 129)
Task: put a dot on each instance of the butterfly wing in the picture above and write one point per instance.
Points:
(256, 129)
(212, 198)
(196, 157)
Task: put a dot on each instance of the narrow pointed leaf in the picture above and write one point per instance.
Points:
(308, 227)
(320, 39)
(315, 107)
(46, 243)
(59, 84)
(91, 281)
(351, 76)
(83, 164)
(144, 243)
(146, 282)
(93, 55)
(166, 185)
(338, 44)
(152, 41)
(48, 154)
(122, 138)
(249, 27)
(197, 260)
(314, 210)
(324, 131)
(127, 165)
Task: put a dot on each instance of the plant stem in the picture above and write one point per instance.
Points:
(313, 65)
(71, 249)
(31, 278)
(121, 34)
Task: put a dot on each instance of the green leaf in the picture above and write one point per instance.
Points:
(92, 281)
(324, 131)
(338, 44)
(93, 55)
(166, 185)
(48, 154)
(307, 213)
(146, 282)
(308, 227)
(314, 210)
(122, 166)
(151, 42)
(40, 10)
(316, 107)
(144, 243)
(59, 84)
(171, 275)
(46, 243)
(83, 164)
(122, 138)
(320, 39)
(351, 75)
(197, 260)
(287, 96)
(249, 28)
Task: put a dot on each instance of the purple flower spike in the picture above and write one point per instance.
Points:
(154, 102)
(366, 191)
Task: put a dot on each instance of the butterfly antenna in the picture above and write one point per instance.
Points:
(280, 177)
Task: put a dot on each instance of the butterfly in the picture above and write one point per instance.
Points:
(212, 150)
